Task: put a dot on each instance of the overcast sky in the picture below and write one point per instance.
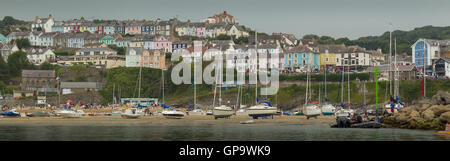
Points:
(337, 18)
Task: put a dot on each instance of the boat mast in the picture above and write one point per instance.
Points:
(396, 69)
(162, 75)
(257, 67)
(140, 80)
(348, 84)
(390, 58)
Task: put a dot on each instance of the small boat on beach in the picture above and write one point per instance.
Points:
(130, 114)
(222, 111)
(40, 114)
(70, 113)
(209, 112)
(312, 110)
(241, 112)
(262, 110)
(328, 109)
(173, 114)
(196, 111)
(11, 113)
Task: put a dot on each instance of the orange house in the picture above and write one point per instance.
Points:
(153, 59)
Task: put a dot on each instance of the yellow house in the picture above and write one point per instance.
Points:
(328, 54)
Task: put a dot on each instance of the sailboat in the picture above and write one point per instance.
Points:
(167, 111)
(221, 111)
(342, 112)
(396, 99)
(326, 107)
(311, 109)
(241, 111)
(261, 109)
(196, 110)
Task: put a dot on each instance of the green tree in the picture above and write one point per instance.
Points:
(4, 73)
(18, 61)
(23, 43)
(311, 36)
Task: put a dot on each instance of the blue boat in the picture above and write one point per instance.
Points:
(10, 114)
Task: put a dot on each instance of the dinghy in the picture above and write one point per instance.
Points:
(130, 114)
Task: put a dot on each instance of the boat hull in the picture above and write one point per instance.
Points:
(217, 113)
(130, 116)
(327, 113)
(71, 115)
(173, 116)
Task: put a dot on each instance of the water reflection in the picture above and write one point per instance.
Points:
(210, 133)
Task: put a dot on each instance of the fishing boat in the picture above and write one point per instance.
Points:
(130, 113)
(172, 114)
(71, 113)
(11, 113)
(196, 111)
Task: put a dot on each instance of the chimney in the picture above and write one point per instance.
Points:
(49, 16)
(36, 18)
(225, 12)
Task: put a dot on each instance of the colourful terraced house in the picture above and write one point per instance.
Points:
(301, 57)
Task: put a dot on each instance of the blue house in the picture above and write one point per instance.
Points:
(427, 52)
(301, 57)
(148, 28)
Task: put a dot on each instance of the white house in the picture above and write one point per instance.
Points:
(46, 39)
(39, 56)
(133, 57)
(235, 30)
(6, 50)
(44, 23)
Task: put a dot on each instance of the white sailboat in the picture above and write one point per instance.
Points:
(168, 112)
(310, 109)
(260, 109)
(326, 107)
(221, 111)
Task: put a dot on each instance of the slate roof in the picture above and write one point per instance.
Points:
(38, 73)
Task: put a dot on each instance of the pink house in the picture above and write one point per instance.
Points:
(200, 29)
(162, 43)
(133, 29)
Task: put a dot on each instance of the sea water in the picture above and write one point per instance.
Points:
(238, 132)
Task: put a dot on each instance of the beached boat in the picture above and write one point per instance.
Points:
(172, 114)
(241, 112)
(11, 113)
(328, 109)
(247, 122)
(261, 110)
(209, 112)
(71, 113)
(222, 111)
(197, 111)
(312, 110)
(40, 114)
(130, 114)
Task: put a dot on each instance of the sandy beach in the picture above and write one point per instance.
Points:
(159, 120)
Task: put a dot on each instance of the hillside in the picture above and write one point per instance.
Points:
(404, 39)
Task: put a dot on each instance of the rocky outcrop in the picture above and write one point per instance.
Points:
(428, 114)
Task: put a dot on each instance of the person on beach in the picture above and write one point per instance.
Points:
(392, 107)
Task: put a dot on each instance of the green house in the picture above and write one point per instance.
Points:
(108, 40)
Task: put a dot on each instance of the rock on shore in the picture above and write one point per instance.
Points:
(428, 114)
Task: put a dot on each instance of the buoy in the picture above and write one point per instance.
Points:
(444, 132)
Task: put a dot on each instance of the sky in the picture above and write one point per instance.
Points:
(336, 18)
